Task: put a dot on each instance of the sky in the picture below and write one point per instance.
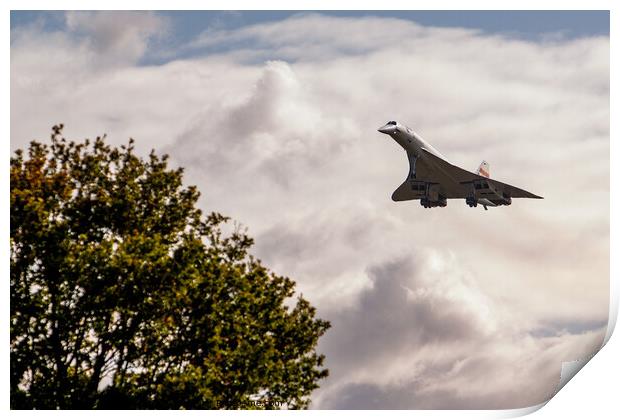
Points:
(274, 117)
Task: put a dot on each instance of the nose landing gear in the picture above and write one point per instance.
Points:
(412, 162)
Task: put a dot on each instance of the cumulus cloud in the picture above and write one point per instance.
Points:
(90, 41)
(276, 131)
(116, 36)
(276, 124)
(317, 37)
(424, 336)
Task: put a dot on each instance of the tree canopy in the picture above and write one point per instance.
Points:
(124, 295)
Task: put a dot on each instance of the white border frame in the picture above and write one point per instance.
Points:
(587, 393)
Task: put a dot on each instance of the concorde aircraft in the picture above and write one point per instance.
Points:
(433, 180)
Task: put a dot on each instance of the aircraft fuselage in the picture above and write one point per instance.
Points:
(410, 140)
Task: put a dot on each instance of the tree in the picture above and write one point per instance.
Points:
(123, 295)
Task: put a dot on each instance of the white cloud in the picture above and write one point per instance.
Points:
(441, 345)
(119, 37)
(280, 133)
(318, 37)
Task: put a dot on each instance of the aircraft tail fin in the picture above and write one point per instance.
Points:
(483, 169)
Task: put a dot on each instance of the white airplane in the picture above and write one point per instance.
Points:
(433, 180)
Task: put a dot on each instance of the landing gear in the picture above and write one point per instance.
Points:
(412, 162)
(427, 203)
(473, 202)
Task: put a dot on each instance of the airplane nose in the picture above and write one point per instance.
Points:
(387, 129)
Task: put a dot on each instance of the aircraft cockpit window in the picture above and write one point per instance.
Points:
(392, 123)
